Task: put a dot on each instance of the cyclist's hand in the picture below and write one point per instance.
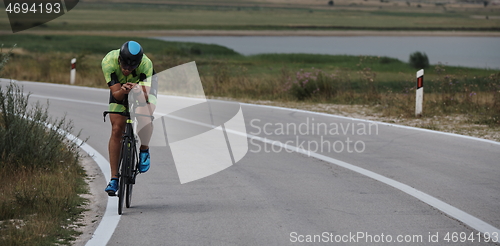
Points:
(127, 87)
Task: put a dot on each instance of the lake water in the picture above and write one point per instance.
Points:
(480, 52)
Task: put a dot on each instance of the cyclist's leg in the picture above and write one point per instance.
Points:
(145, 130)
(117, 129)
(145, 125)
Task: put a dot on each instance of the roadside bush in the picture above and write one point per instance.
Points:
(303, 86)
(317, 85)
(25, 140)
(419, 60)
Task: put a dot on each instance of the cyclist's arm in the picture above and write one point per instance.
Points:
(120, 91)
(109, 68)
(145, 74)
(153, 92)
(145, 85)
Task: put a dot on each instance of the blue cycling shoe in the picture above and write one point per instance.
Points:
(144, 162)
(112, 187)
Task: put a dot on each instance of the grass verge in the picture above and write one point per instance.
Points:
(40, 176)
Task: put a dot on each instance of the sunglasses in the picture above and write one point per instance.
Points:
(127, 67)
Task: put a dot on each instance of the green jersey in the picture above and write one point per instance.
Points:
(113, 74)
(142, 75)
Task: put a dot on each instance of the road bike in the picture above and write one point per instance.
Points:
(129, 158)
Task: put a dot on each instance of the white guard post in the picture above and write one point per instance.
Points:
(73, 71)
(420, 93)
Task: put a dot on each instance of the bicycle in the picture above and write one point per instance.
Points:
(129, 159)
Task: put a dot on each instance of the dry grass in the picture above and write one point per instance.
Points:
(54, 68)
(36, 207)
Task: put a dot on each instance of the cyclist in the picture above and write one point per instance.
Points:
(124, 69)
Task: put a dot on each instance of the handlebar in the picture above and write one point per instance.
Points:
(111, 112)
(126, 113)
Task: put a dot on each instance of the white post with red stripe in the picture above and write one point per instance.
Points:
(73, 71)
(420, 93)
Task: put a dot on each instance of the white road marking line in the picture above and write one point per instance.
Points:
(69, 100)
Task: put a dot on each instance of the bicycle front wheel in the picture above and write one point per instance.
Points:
(133, 173)
(125, 164)
(121, 194)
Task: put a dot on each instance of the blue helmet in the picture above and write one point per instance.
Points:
(130, 55)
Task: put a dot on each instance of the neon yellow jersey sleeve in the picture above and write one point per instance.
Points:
(110, 65)
(146, 68)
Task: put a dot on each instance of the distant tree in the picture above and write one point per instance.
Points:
(330, 3)
(419, 60)
(486, 3)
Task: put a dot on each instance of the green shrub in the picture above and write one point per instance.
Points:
(25, 140)
(419, 60)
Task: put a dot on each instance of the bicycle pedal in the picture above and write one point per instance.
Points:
(110, 193)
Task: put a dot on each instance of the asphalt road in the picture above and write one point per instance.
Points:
(275, 196)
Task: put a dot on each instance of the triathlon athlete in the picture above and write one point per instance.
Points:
(128, 70)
